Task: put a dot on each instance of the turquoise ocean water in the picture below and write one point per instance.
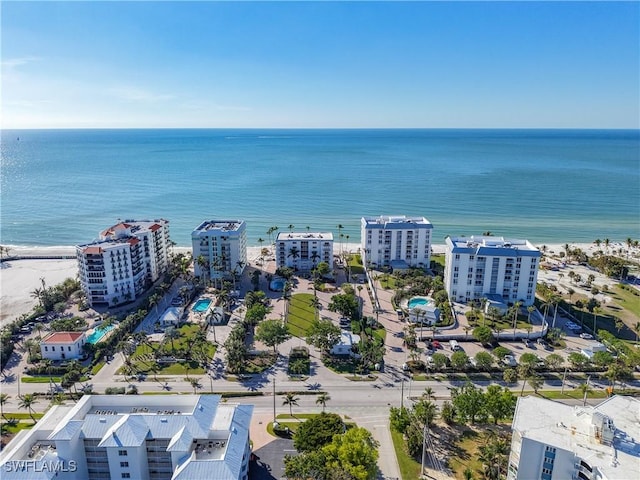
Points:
(61, 187)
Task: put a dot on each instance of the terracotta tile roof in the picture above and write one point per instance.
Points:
(133, 241)
(62, 337)
(155, 227)
(92, 250)
(112, 230)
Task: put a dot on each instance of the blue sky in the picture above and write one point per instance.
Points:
(320, 64)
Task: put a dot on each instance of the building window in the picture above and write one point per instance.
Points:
(46, 349)
(125, 475)
(124, 464)
(122, 453)
(53, 349)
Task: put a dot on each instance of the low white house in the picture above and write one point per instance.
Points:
(424, 314)
(62, 345)
(345, 344)
(171, 316)
(592, 348)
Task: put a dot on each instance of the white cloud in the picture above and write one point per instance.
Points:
(12, 63)
(135, 94)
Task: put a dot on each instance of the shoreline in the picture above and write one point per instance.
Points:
(19, 277)
(439, 248)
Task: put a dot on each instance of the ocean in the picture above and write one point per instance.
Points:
(61, 187)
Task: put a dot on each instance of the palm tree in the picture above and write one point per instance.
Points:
(467, 329)
(195, 384)
(291, 400)
(596, 311)
(294, 253)
(291, 227)
(429, 393)
(322, 399)
(585, 388)
(530, 310)
(4, 398)
(27, 401)
(172, 333)
(315, 303)
(516, 310)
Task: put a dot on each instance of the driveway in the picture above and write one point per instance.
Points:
(269, 463)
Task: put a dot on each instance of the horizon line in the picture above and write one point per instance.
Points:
(320, 128)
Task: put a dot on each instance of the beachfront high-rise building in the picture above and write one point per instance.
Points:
(125, 261)
(553, 441)
(303, 251)
(398, 241)
(163, 437)
(491, 267)
(219, 248)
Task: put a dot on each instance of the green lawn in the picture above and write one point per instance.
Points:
(626, 300)
(301, 314)
(143, 359)
(355, 263)
(96, 368)
(46, 379)
(388, 282)
(22, 416)
(466, 454)
(409, 468)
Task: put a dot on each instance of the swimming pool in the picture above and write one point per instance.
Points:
(202, 305)
(277, 284)
(415, 301)
(95, 336)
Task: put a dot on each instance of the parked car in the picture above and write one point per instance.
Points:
(527, 342)
(509, 360)
(586, 336)
(436, 344)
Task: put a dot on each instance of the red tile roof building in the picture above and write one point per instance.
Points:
(124, 262)
(63, 345)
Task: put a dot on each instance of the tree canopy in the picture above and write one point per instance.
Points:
(317, 431)
(272, 333)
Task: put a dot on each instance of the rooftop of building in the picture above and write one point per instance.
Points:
(100, 246)
(219, 225)
(62, 337)
(283, 236)
(475, 242)
(131, 227)
(396, 220)
(211, 437)
(577, 429)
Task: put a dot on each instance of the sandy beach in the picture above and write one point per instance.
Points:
(18, 278)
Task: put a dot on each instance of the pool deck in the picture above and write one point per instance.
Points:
(199, 317)
(404, 304)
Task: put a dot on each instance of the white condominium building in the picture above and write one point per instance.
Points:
(219, 248)
(124, 262)
(400, 241)
(303, 251)
(145, 437)
(553, 441)
(477, 267)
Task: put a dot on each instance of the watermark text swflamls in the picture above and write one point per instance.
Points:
(41, 466)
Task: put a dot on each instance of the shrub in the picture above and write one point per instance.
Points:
(114, 391)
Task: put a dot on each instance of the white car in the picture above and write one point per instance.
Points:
(586, 336)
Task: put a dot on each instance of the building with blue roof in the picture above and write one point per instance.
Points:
(168, 437)
(479, 267)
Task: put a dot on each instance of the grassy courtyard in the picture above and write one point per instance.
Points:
(301, 314)
(185, 347)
